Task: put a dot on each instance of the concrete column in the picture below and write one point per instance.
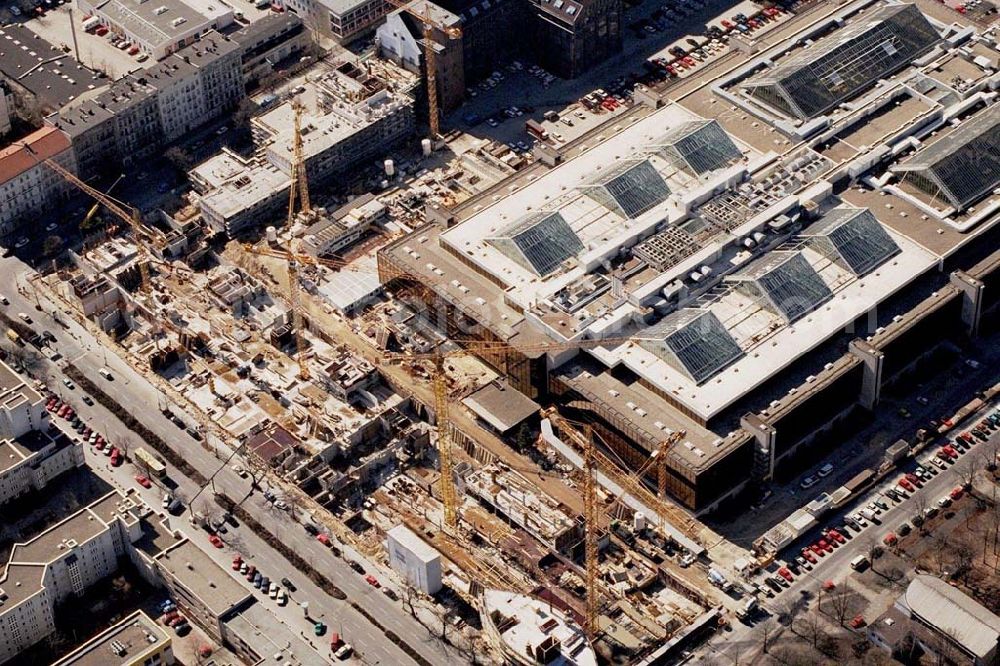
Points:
(972, 300)
(764, 440)
(871, 382)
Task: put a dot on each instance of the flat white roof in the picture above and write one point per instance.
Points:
(406, 537)
(769, 344)
(601, 231)
(537, 620)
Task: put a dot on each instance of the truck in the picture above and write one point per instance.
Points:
(536, 130)
(748, 608)
(14, 337)
(150, 463)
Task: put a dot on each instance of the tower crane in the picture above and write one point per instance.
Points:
(125, 212)
(430, 56)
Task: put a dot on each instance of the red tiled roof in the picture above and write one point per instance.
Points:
(46, 143)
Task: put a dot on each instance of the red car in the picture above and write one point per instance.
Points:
(785, 573)
(914, 479)
(251, 572)
(143, 481)
(816, 549)
(956, 493)
(950, 450)
(944, 456)
(323, 539)
(808, 556)
(836, 536)
(372, 580)
(857, 622)
(237, 563)
(215, 541)
(890, 539)
(63, 411)
(905, 485)
(727, 25)
(825, 545)
(116, 458)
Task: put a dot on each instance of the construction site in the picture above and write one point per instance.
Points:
(552, 370)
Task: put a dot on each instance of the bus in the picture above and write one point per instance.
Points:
(150, 463)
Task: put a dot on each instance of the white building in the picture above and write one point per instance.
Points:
(344, 20)
(27, 187)
(22, 408)
(532, 631)
(60, 563)
(414, 559)
(33, 460)
(161, 27)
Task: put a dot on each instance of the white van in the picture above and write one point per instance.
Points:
(859, 562)
(104, 372)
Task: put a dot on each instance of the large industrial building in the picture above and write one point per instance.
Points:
(692, 273)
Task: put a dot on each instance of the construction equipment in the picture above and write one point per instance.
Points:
(129, 216)
(299, 185)
(430, 56)
(585, 441)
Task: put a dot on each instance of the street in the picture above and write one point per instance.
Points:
(135, 394)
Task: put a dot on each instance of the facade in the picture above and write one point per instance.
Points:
(60, 563)
(268, 41)
(31, 461)
(410, 556)
(6, 108)
(135, 641)
(141, 112)
(333, 232)
(343, 20)
(571, 37)
(28, 188)
(159, 28)
(22, 408)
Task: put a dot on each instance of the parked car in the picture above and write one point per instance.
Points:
(143, 481)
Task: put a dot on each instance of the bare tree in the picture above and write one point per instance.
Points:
(966, 471)
(810, 628)
(920, 504)
(123, 443)
(410, 595)
(26, 359)
(841, 603)
(767, 631)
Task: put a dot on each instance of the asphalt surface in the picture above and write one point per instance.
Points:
(734, 645)
(134, 393)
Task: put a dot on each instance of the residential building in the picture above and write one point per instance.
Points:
(270, 40)
(41, 75)
(136, 640)
(32, 460)
(942, 620)
(22, 408)
(6, 108)
(28, 188)
(343, 20)
(141, 112)
(60, 563)
(570, 37)
(159, 28)
(360, 119)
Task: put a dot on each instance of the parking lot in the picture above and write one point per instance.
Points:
(96, 52)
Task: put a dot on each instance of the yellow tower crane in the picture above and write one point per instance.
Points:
(300, 186)
(430, 56)
(125, 212)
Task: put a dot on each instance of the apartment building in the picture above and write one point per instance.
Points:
(30, 462)
(6, 108)
(22, 408)
(159, 28)
(145, 110)
(343, 20)
(135, 641)
(27, 187)
(268, 41)
(60, 563)
(572, 36)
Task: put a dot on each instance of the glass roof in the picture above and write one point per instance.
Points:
(693, 341)
(836, 68)
(963, 165)
(853, 238)
(629, 188)
(698, 146)
(784, 283)
(539, 242)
